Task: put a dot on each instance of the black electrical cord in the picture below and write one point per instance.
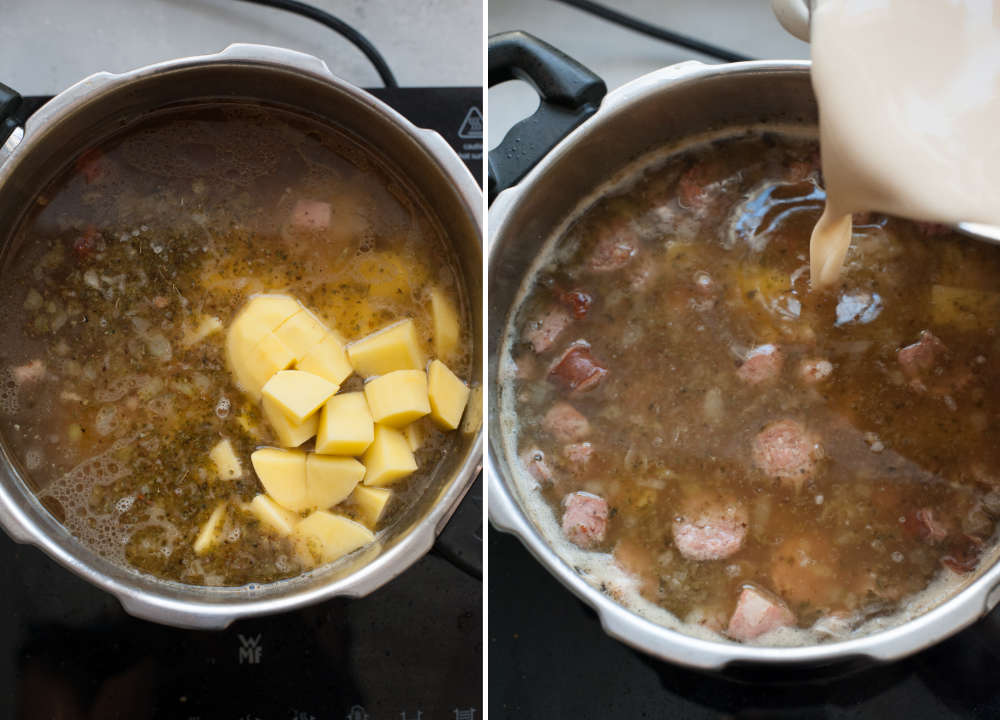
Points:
(337, 25)
(654, 31)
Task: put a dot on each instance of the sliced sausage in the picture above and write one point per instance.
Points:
(578, 454)
(763, 363)
(614, 249)
(585, 519)
(964, 554)
(815, 370)
(921, 356)
(565, 423)
(577, 302)
(786, 450)
(710, 529)
(311, 215)
(543, 333)
(757, 613)
(577, 370)
(534, 461)
(28, 373)
(692, 191)
(923, 524)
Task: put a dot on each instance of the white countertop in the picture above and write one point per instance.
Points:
(619, 55)
(47, 45)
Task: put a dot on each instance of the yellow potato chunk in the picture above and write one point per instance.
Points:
(389, 457)
(370, 503)
(299, 394)
(330, 536)
(301, 332)
(268, 357)
(208, 325)
(258, 319)
(329, 479)
(396, 347)
(272, 516)
(328, 359)
(447, 395)
(398, 398)
(209, 534)
(964, 308)
(345, 425)
(444, 320)
(290, 433)
(415, 435)
(226, 463)
(263, 314)
(473, 418)
(283, 475)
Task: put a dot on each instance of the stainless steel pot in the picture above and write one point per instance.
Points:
(657, 110)
(104, 103)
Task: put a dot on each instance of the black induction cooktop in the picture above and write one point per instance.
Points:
(410, 651)
(558, 663)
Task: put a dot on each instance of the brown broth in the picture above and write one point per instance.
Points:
(183, 217)
(701, 259)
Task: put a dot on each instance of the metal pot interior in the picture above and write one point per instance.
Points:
(104, 105)
(659, 111)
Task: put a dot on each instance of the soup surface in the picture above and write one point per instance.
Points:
(122, 280)
(754, 454)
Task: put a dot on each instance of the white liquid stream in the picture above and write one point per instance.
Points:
(909, 115)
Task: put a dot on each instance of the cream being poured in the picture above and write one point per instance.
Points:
(909, 107)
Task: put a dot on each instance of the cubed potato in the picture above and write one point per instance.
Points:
(345, 425)
(206, 326)
(329, 537)
(227, 465)
(472, 421)
(301, 332)
(263, 314)
(290, 433)
(328, 359)
(272, 516)
(370, 503)
(964, 308)
(388, 275)
(415, 434)
(389, 457)
(760, 284)
(447, 395)
(251, 366)
(298, 393)
(444, 320)
(398, 398)
(310, 215)
(283, 475)
(330, 479)
(269, 357)
(209, 534)
(396, 347)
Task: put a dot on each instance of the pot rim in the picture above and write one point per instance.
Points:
(412, 543)
(945, 619)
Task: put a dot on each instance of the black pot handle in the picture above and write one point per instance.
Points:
(10, 103)
(569, 94)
